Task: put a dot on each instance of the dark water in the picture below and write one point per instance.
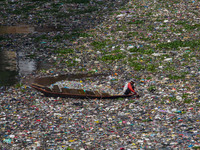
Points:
(14, 64)
(8, 77)
(8, 68)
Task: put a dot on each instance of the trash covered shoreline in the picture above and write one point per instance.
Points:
(156, 43)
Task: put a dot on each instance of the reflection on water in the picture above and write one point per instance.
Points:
(25, 66)
(13, 64)
(25, 29)
(8, 68)
(16, 29)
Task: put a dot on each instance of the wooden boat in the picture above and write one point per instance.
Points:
(74, 93)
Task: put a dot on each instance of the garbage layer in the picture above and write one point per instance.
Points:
(156, 43)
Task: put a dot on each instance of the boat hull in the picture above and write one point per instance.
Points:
(65, 95)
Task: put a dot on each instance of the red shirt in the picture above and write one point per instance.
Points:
(130, 87)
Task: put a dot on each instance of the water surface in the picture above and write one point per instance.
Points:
(13, 65)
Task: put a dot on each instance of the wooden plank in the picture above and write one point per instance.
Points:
(97, 93)
(56, 89)
(35, 84)
(73, 91)
(65, 90)
(89, 93)
(81, 91)
(47, 89)
(105, 94)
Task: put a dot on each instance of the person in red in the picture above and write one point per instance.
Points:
(129, 87)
